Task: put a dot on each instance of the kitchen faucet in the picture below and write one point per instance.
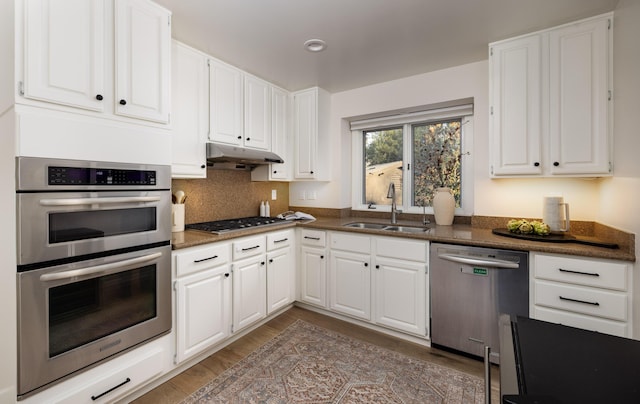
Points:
(391, 193)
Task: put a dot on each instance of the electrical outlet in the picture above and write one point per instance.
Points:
(274, 194)
(302, 196)
(311, 195)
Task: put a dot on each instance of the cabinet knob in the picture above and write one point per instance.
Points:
(366, 264)
(275, 171)
(377, 266)
(322, 257)
(270, 260)
(203, 166)
(99, 97)
(226, 275)
(123, 102)
(262, 263)
(311, 172)
(537, 164)
(556, 164)
(248, 139)
(239, 137)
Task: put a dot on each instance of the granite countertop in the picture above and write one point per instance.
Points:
(457, 234)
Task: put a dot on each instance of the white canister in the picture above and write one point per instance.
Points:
(555, 213)
(177, 217)
(444, 206)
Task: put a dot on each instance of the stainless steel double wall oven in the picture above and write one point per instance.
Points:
(94, 263)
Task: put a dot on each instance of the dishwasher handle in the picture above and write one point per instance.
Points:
(493, 263)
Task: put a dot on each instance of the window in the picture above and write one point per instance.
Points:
(417, 153)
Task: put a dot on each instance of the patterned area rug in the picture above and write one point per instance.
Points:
(309, 364)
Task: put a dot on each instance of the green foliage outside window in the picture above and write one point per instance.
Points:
(436, 160)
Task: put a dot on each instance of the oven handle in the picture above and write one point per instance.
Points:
(92, 201)
(99, 268)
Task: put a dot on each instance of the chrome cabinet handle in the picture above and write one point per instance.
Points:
(99, 268)
(93, 201)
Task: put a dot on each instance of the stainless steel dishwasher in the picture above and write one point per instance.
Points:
(470, 288)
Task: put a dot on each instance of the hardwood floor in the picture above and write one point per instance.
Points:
(179, 387)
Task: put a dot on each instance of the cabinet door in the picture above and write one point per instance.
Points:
(203, 308)
(249, 291)
(280, 279)
(257, 113)
(190, 112)
(350, 284)
(400, 298)
(579, 100)
(226, 114)
(313, 276)
(143, 60)
(280, 134)
(305, 128)
(515, 92)
(64, 48)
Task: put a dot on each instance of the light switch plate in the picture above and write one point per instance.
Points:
(274, 194)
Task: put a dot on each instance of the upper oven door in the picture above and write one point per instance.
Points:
(62, 225)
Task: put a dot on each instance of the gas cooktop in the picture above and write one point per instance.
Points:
(225, 226)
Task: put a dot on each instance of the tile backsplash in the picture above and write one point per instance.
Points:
(228, 194)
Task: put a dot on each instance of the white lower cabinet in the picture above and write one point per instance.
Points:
(249, 281)
(588, 293)
(313, 267)
(112, 380)
(281, 278)
(202, 297)
(380, 279)
(249, 291)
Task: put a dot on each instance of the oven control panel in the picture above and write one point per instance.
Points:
(58, 175)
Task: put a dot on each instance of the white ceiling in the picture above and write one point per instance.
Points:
(369, 41)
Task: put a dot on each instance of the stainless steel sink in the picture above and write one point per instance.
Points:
(361, 225)
(406, 229)
(378, 226)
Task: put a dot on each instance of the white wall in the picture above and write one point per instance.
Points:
(492, 197)
(620, 195)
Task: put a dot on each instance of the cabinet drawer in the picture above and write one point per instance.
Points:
(405, 249)
(248, 247)
(350, 242)
(314, 238)
(619, 328)
(279, 240)
(601, 274)
(590, 301)
(197, 259)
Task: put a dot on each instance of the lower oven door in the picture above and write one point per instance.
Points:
(75, 315)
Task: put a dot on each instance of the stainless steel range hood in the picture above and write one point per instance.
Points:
(238, 158)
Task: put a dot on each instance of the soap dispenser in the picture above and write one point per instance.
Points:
(262, 208)
(267, 209)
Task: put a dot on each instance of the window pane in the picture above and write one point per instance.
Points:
(383, 165)
(436, 160)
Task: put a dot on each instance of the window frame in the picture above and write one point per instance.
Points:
(358, 163)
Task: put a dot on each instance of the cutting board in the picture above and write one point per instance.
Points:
(556, 238)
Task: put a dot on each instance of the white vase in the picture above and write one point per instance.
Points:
(444, 206)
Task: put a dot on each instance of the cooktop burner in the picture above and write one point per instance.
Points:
(224, 226)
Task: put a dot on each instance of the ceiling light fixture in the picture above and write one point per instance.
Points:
(315, 45)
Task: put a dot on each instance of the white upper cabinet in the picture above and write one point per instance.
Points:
(257, 113)
(240, 107)
(310, 131)
(190, 112)
(64, 52)
(550, 100)
(143, 60)
(579, 101)
(515, 106)
(226, 109)
(70, 54)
